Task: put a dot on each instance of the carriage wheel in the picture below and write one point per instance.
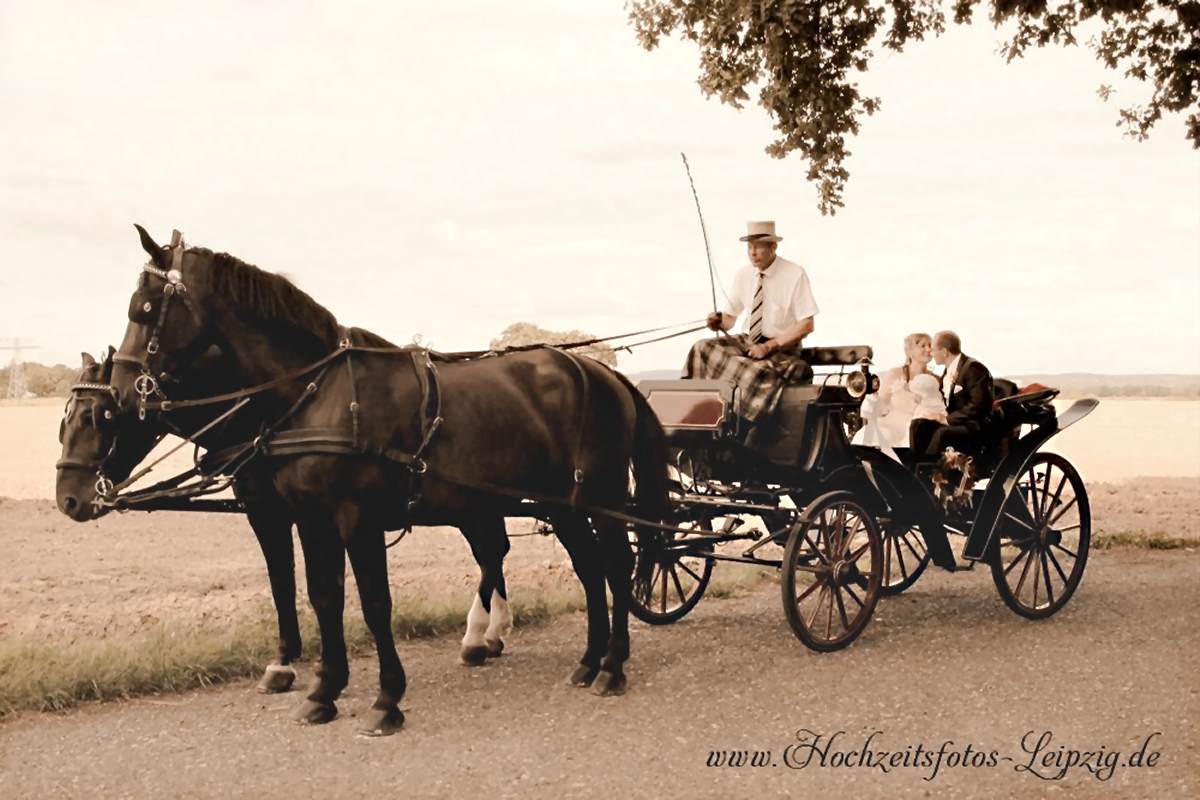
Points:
(1042, 543)
(832, 571)
(677, 577)
(904, 558)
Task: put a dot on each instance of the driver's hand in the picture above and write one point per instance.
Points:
(714, 321)
(759, 351)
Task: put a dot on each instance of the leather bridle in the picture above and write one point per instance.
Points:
(104, 485)
(149, 384)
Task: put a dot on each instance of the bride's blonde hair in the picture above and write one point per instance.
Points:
(911, 341)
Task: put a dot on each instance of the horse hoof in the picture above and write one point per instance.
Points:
(609, 684)
(277, 678)
(474, 656)
(583, 676)
(382, 722)
(312, 712)
(495, 647)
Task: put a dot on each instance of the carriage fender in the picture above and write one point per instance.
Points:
(904, 492)
(1004, 478)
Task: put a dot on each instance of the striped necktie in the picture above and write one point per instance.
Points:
(756, 313)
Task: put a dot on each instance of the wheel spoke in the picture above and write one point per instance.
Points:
(653, 582)
(841, 609)
(887, 560)
(900, 558)
(812, 587)
(1074, 527)
(829, 617)
(857, 554)
(1057, 566)
(1032, 500)
(1063, 510)
(1037, 578)
(1044, 506)
(686, 569)
(663, 599)
(1046, 575)
(1057, 493)
(858, 524)
(916, 555)
(1065, 550)
(1025, 525)
(840, 532)
(913, 536)
(816, 550)
(1024, 552)
(1024, 572)
(854, 597)
(678, 586)
(820, 597)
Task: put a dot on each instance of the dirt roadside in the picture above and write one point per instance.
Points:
(128, 573)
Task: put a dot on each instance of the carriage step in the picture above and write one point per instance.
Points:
(970, 565)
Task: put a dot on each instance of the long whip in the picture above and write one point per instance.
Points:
(712, 280)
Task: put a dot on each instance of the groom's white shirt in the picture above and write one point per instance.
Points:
(949, 377)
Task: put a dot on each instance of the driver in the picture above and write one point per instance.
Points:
(765, 356)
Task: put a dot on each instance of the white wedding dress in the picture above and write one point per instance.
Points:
(889, 412)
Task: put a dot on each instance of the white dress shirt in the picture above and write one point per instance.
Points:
(950, 377)
(787, 296)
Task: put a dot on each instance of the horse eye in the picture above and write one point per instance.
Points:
(107, 414)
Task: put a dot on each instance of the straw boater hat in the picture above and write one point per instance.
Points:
(761, 232)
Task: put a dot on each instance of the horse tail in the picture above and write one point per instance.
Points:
(651, 485)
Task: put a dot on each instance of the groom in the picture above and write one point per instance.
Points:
(967, 390)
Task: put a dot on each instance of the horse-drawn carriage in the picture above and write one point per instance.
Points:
(339, 433)
(847, 524)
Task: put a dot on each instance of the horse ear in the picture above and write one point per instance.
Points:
(88, 361)
(150, 246)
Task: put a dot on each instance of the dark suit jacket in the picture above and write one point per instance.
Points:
(970, 403)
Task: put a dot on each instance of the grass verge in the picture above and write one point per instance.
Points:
(1143, 541)
(37, 676)
(173, 658)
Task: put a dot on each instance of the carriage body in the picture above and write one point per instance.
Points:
(801, 470)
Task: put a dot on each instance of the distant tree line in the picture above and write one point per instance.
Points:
(42, 381)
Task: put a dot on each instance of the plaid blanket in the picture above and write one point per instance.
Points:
(759, 382)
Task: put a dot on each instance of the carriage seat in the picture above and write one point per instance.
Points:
(1012, 407)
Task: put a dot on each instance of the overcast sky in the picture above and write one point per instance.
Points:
(447, 169)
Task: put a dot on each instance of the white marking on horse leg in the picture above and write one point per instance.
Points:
(477, 624)
(500, 626)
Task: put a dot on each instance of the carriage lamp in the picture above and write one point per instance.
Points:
(862, 382)
(856, 384)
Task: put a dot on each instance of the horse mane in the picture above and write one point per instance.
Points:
(365, 338)
(268, 297)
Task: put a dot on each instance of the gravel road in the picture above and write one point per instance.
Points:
(947, 661)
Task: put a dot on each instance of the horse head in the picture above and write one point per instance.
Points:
(189, 300)
(91, 426)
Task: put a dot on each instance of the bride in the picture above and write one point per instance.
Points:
(907, 392)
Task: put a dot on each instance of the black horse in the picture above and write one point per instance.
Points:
(101, 445)
(460, 443)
